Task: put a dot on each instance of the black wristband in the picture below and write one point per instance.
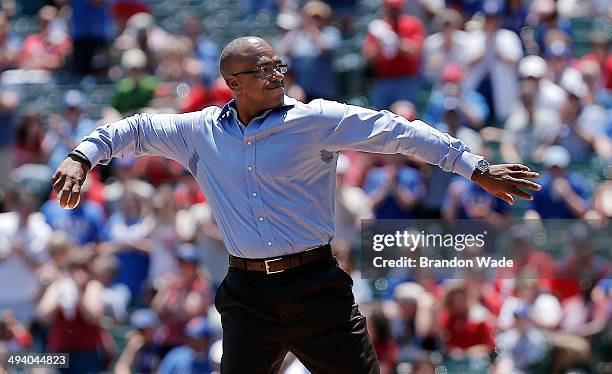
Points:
(80, 157)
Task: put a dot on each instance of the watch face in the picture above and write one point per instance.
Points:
(483, 165)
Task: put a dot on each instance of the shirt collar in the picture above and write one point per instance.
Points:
(230, 106)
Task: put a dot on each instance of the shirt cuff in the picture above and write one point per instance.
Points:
(89, 150)
(466, 163)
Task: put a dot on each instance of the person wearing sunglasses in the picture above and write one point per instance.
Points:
(266, 163)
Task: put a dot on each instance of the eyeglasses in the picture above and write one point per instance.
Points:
(265, 72)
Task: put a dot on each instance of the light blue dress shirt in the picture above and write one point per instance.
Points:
(271, 185)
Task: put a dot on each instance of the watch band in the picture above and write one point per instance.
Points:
(80, 157)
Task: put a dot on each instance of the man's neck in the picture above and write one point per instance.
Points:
(245, 114)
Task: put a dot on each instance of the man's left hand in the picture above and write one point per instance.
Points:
(506, 180)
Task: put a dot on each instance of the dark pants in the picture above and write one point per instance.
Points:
(309, 311)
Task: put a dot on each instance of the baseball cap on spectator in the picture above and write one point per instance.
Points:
(408, 291)
(492, 8)
(316, 8)
(74, 99)
(198, 328)
(133, 58)
(394, 4)
(573, 83)
(188, 253)
(452, 73)
(532, 67)
(144, 319)
(558, 49)
(556, 155)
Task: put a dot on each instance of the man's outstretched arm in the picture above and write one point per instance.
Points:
(167, 135)
(361, 129)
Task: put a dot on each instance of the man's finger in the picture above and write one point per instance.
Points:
(74, 198)
(524, 174)
(506, 197)
(59, 183)
(65, 193)
(522, 194)
(526, 184)
(518, 167)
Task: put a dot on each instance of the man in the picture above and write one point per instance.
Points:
(267, 165)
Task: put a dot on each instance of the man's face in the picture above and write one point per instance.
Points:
(260, 89)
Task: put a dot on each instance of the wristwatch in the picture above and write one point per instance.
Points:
(78, 156)
(483, 166)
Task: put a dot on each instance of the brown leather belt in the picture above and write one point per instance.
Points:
(280, 264)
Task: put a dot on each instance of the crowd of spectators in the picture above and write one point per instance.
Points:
(125, 282)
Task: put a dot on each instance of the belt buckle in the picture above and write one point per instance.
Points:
(266, 263)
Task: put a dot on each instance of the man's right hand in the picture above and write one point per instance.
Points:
(67, 181)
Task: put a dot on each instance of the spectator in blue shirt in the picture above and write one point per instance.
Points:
(563, 194)
(310, 47)
(192, 357)
(394, 190)
(83, 224)
(90, 29)
(471, 105)
(124, 235)
(142, 353)
(464, 201)
(65, 133)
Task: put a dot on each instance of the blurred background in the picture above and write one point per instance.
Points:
(126, 281)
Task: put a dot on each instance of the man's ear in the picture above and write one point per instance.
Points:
(233, 83)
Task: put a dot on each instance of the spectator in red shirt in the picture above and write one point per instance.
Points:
(387, 349)
(393, 49)
(182, 297)
(73, 307)
(46, 49)
(465, 326)
(29, 138)
(599, 53)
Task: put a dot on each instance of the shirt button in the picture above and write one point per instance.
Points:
(269, 243)
(250, 168)
(261, 218)
(254, 193)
